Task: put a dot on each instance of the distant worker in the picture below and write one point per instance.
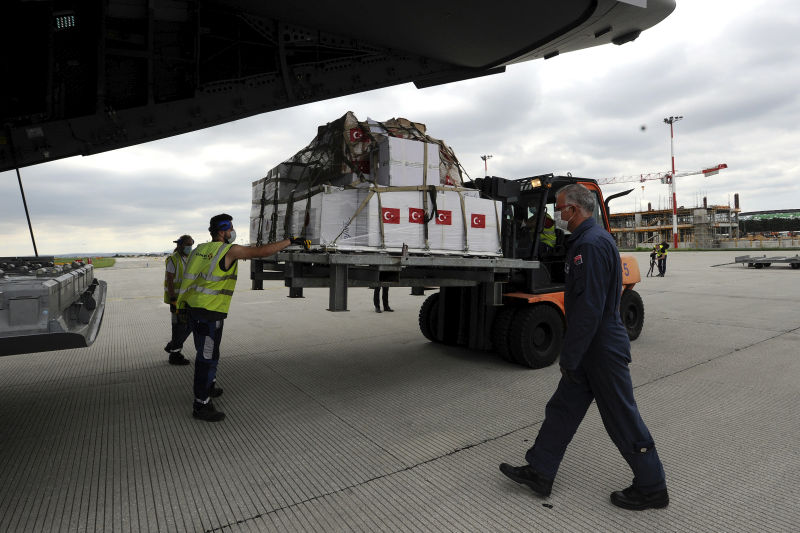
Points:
(206, 292)
(376, 301)
(661, 255)
(594, 365)
(181, 328)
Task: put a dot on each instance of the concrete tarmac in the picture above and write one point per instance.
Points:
(355, 422)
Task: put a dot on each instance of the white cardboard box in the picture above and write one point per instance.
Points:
(401, 162)
(331, 222)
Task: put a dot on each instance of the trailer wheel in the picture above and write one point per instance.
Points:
(631, 310)
(767, 264)
(428, 314)
(795, 265)
(759, 265)
(500, 332)
(536, 336)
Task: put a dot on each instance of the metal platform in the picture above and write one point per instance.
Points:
(353, 422)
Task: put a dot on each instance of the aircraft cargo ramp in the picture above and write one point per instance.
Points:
(354, 422)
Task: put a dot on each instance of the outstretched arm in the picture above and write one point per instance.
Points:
(250, 252)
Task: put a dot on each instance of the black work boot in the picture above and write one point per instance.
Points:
(526, 475)
(206, 412)
(216, 392)
(388, 309)
(378, 310)
(635, 500)
(177, 358)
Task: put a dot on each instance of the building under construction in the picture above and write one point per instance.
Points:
(698, 227)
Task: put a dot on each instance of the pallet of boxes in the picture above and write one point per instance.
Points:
(375, 186)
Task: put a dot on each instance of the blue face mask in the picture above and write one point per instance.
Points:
(187, 250)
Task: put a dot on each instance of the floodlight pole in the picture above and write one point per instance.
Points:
(485, 164)
(670, 121)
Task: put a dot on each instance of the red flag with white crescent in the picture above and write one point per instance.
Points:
(478, 221)
(357, 135)
(416, 215)
(391, 215)
(444, 217)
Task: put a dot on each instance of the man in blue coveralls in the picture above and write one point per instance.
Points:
(594, 365)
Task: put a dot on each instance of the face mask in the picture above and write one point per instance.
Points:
(561, 224)
(187, 250)
(232, 237)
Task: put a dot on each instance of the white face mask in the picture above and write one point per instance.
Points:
(232, 237)
(561, 224)
(187, 250)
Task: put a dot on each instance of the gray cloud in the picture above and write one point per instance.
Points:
(733, 75)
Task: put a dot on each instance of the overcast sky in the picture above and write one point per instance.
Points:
(732, 69)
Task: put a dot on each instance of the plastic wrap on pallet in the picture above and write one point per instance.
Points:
(340, 189)
(388, 219)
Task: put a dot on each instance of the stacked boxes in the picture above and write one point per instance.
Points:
(331, 219)
(392, 179)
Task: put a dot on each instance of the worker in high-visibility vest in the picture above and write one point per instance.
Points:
(661, 256)
(206, 291)
(175, 267)
(547, 236)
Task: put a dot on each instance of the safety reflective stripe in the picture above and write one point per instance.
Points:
(210, 278)
(212, 292)
(214, 261)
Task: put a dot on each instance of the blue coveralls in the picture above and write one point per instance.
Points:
(597, 350)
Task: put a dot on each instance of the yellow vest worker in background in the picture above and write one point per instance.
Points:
(206, 291)
(173, 277)
(661, 255)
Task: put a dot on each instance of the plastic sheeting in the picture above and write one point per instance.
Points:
(374, 185)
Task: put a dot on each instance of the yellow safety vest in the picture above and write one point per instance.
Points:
(662, 251)
(548, 235)
(205, 285)
(176, 283)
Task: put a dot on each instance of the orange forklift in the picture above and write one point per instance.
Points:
(527, 327)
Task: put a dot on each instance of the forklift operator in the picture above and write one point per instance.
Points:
(594, 365)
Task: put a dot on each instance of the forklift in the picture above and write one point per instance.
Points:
(527, 327)
(513, 305)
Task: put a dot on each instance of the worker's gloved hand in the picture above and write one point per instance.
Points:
(570, 375)
(305, 243)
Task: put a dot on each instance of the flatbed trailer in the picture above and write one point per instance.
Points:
(475, 281)
(764, 261)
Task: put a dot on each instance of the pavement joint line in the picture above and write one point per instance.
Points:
(457, 450)
(723, 324)
(720, 356)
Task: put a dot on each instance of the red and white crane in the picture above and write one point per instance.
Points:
(664, 177)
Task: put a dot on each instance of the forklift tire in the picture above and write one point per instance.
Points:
(428, 314)
(536, 336)
(631, 310)
(500, 332)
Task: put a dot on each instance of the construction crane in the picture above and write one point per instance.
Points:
(664, 177)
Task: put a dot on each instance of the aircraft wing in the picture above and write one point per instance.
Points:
(87, 77)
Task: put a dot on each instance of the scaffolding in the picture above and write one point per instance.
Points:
(698, 227)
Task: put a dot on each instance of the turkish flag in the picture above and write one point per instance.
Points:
(391, 215)
(478, 221)
(416, 215)
(357, 135)
(444, 217)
